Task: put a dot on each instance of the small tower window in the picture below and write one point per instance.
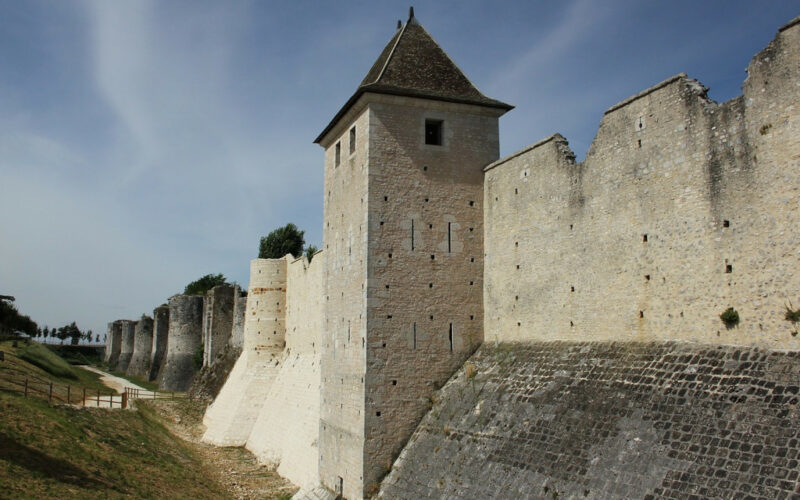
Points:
(353, 140)
(433, 132)
(338, 154)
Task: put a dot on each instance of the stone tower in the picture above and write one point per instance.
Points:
(403, 238)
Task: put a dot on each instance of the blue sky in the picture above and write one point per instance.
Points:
(144, 144)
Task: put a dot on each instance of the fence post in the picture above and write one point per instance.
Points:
(50, 394)
(125, 399)
(26, 387)
(98, 398)
(68, 402)
(84, 396)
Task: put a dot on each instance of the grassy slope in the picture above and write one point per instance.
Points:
(46, 368)
(63, 452)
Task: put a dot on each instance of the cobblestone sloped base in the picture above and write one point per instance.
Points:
(609, 420)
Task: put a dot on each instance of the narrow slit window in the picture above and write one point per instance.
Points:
(348, 330)
(726, 223)
(433, 132)
(451, 337)
(412, 234)
(353, 140)
(337, 154)
(644, 238)
(728, 268)
(449, 239)
(414, 337)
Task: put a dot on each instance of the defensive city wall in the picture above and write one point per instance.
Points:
(189, 332)
(529, 326)
(271, 400)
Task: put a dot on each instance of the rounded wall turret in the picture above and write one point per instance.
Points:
(126, 347)
(142, 345)
(113, 343)
(265, 315)
(184, 342)
(159, 347)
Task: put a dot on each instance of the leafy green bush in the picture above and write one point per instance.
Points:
(39, 355)
(730, 317)
(204, 284)
(286, 239)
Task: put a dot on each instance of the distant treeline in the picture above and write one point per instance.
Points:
(13, 322)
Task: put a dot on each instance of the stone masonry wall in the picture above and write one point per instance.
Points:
(341, 441)
(682, 208)
(602, 420)
(287, 429)
(142, 346)
(128, 329)
(424, 298)
(217, 321)
(113, 343)
(229, 420)
(184, 342)
(160, 333)
(239, 309)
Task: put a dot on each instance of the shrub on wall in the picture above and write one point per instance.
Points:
(730, 317)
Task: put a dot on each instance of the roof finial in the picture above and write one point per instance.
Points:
(399, 24)
(411, 13)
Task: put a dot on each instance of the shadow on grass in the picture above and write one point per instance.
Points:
(38, 462)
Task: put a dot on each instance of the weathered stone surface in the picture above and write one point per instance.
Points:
(142, 346)
(229, 420)
(160, 334)
(217, 321)
(287, 429)
(113, 343)
(682, 208)
(239, 310)
(184, 342)
(128, 329)
(609, 420)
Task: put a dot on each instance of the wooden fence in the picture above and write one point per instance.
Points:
(16, 380)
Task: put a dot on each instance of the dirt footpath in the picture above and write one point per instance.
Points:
(234, 468)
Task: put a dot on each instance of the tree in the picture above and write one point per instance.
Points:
(286, 239)
(204, 284)
(310, 251)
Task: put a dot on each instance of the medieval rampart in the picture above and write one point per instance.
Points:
(184, 342)
(113, 343)
(682, 208)
(217, 321)
(142, 347)
(239, 309)
(230, 418)
(128, 329)
(287, 429)
(160, 333)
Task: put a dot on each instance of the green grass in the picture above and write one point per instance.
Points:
(63, 452)
(47, 360)
(79, 354)
(59, 451)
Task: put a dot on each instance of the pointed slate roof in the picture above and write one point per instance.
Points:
(412, 64)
